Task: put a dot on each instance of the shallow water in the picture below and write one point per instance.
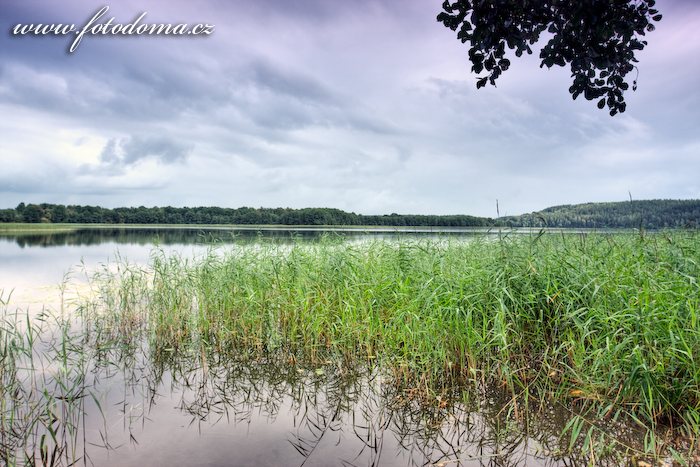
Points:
(34, 265)
(188, 410)
(183, 412)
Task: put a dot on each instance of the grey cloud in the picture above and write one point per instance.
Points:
(27, 183)
(128, 151)
(53, 181)
(275, 99)
(290, 83)
(280, 99)
(152, 87)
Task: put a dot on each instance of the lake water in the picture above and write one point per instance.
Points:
(188, 410)
(33, 265)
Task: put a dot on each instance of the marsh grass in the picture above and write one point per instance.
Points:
(606, 323)
(43, 389)
(602, 326)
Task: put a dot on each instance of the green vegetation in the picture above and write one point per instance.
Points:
(652, 214)
(603, 325)
(43, 389)
(649, 214)
(56, 213)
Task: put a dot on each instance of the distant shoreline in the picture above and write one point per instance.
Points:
(48, 228)
(644, 214)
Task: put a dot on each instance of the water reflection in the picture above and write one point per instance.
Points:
(205, 408)
(90, 237)
(190, 236)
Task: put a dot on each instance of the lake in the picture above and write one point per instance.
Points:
(150, 406)
(33, 264)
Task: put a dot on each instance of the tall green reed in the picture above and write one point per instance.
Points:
(606, 321)
(604, 325)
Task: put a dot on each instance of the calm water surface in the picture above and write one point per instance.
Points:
(33, 265)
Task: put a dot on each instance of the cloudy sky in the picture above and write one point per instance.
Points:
(367, 106)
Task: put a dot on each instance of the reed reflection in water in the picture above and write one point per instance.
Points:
(209, 409)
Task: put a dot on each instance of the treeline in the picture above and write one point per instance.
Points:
(648, 214)
(57, 213)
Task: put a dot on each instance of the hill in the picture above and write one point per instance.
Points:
(648, 214)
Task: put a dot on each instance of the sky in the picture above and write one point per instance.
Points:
(363, 105)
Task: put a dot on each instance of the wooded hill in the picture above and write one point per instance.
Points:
(648, 214)
(651, 214)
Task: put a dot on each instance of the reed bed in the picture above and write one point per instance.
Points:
(605, 326)
(43, 389)
(607, 322)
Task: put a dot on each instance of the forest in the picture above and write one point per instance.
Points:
(57, 213)
(648, 214)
